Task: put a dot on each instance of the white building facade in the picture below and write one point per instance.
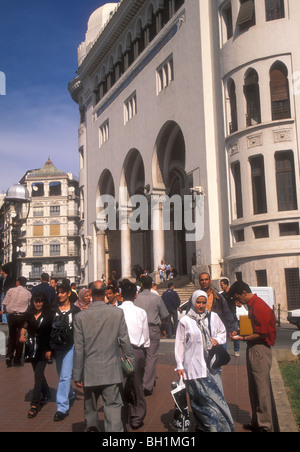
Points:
(180, 95)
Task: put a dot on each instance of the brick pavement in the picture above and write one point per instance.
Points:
(16, 386)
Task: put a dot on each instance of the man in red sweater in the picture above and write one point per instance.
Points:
(259, 355)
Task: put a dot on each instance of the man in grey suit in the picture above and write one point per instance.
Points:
(99, 333)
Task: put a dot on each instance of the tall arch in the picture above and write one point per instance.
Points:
(169, 178)
(280, 95)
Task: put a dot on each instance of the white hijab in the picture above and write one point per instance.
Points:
(199, 318)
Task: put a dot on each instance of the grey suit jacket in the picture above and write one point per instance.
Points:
(99, 333)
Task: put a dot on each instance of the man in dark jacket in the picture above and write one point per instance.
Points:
(46, 289)
(172, 302)
(216, 303)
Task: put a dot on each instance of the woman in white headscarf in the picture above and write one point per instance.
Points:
(192, 348)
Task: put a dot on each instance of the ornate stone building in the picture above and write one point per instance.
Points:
(49, 240)
(180, 95)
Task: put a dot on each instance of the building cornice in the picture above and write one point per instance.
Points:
(107, 38)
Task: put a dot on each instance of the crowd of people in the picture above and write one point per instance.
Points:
(108, 334)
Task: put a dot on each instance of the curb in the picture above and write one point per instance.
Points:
(285, 417)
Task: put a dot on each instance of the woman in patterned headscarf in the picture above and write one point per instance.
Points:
(192, 349)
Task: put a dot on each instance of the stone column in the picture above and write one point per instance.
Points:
(101, 263)
(158, 235)
(125, 244)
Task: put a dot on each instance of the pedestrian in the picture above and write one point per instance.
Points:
(259, 355)
(84, 299)
(162, 271)
(224, 283)
(172, 303)
(62, 342)
(168, 270)
(216, 303)
(38, 324)
(192, 347)
(6, 283)
(48, 290)
(15, 304)
(112, 295)
(98, 333)
(157, 314)
(138, 330)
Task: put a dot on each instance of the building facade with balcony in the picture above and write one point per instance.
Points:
(180, 95)
(49, 240)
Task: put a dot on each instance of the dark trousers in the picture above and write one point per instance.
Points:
(172, 322)
(15, 324)
(133, 416)
(41, 388)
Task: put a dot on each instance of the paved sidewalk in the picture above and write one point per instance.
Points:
(16, 384)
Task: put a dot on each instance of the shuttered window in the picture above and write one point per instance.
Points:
(54, 230)
(246, 17)
(285, 179)
(280, 97)
(38, 230)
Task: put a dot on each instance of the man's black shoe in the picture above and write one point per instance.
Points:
(59, 416)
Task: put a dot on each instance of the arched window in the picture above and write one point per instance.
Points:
(251, 91)
(285, 180)
(233, 109)
(280, 96)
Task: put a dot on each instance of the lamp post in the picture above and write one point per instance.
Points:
(17, 197)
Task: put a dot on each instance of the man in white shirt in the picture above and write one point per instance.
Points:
(15, 304)
(138, 330)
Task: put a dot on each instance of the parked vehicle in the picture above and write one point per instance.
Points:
(294, 317)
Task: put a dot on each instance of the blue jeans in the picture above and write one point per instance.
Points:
(64, 365)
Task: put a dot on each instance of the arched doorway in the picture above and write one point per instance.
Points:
(169, 178)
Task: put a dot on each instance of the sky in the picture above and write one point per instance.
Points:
(38, 57)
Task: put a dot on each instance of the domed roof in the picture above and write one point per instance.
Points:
(98, 19)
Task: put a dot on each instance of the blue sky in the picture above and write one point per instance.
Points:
(38, 55)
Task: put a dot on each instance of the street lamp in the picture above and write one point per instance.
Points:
(17, 196)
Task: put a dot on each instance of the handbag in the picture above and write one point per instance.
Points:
(181, 416)
(127, 367)
(218, 356)
(129, 392)
(30, 349)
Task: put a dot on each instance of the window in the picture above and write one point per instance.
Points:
(258, 185)
(274, 9)
(38, 230)
(285, 179)
(246, 17)
(227, 17)
(239, 235)
(292, 281)
(38, 249)
(58, 270)
(55, 189)
(236, 172)
(233, 126)
(261, 232)
(261, 278)
(251, 91)
(280, 96)
(54, 229)
(288, 229)
(54, 211)
(38, 211)
(36, 270)
(55, 249)
(165, 74)
(37, 189)
(104, 133)
(130, 108)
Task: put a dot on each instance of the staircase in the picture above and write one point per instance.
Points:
(182, 285)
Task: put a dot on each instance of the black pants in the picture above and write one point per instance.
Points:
(15, 324)
(41, 388)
